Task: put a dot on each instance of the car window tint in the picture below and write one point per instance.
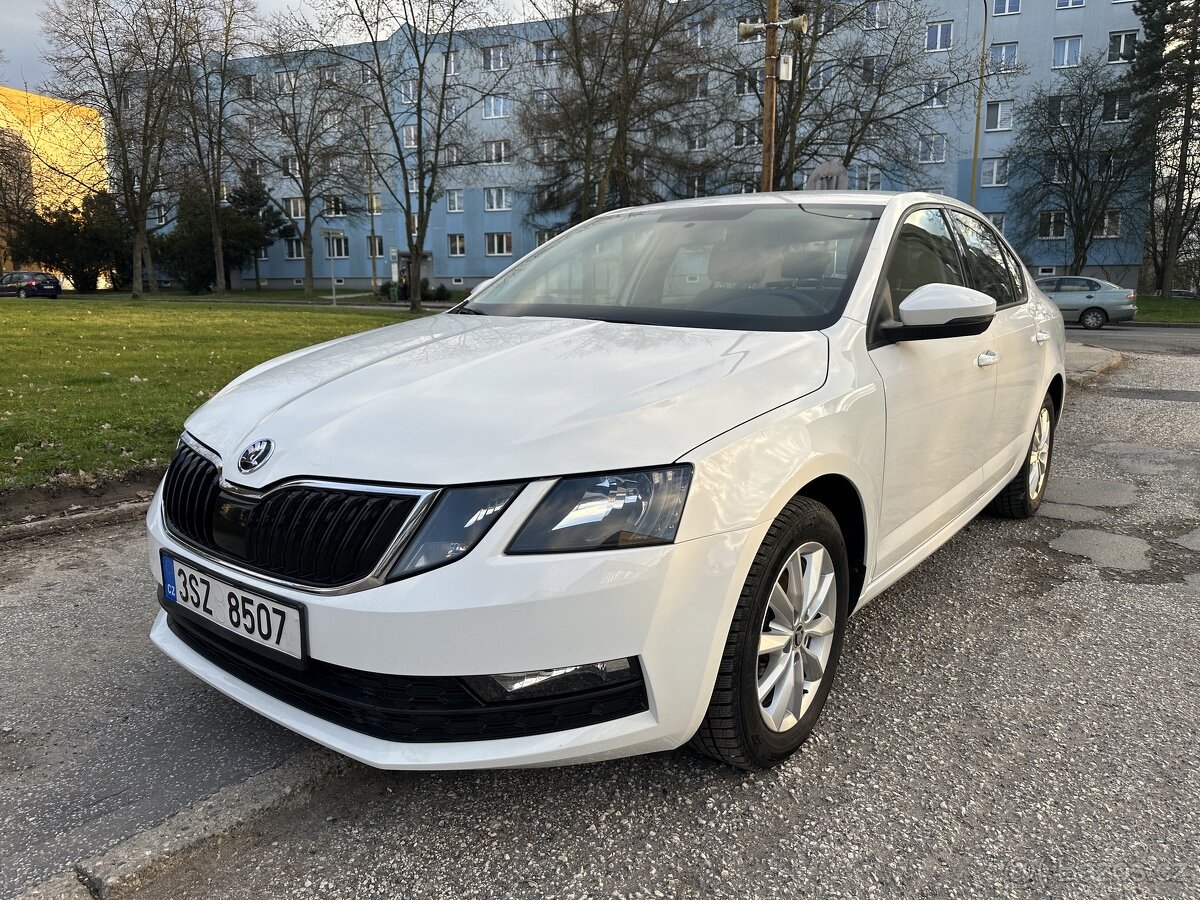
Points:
(985, 259)
(1074, 285)
(1049, 286)
(924, 254)
(1094, 285)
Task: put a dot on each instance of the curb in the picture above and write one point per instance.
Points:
(126, 511)
(1193, 325)
(131, 864)
(1085, 377)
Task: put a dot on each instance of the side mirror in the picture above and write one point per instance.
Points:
(941, 311)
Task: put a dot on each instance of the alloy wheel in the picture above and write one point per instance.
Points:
(1039, 454)
(796, 635)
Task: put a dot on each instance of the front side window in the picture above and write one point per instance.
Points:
(924, 253)
(985, 258)
(742, 267)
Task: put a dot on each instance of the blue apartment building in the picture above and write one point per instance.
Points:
(482, 220)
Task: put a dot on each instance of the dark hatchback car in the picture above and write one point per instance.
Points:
(29, 284)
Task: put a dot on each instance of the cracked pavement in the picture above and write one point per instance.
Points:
(1018, 717)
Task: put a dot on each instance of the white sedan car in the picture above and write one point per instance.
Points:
(624, 498)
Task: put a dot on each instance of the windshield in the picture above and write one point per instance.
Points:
(746, 267)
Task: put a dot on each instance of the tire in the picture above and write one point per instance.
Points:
(22, 293)
(735, 729)
(1019, 500)
(1093, 319)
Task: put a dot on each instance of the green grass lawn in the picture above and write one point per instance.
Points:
(1168, 309)
(103, 386)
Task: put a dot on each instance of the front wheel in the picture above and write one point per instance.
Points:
(784, 642)
(1023, 495)
(22, 293)
(1093, 319)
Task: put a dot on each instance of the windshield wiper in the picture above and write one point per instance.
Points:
(468, 311)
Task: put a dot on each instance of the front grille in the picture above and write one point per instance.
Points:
(414, 709)
(309, 535)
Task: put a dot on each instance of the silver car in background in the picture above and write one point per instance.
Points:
(1089, 301)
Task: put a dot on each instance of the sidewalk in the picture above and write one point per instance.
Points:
(1085, 364)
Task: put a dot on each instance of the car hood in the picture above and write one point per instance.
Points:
(453, 399)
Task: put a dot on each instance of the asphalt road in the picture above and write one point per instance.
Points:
(1140, 339)
(1018, 717)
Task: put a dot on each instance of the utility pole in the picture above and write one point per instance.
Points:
(983, 49)
(771, 28)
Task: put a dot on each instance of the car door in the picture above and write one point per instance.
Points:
(1019, 342)
(938, 396)
(1073, 295)
(6, 285)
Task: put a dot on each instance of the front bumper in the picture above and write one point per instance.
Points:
(488, 613)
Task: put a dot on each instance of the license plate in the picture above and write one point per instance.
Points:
(252, 617)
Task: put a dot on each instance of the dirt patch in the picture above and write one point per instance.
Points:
(27, 504)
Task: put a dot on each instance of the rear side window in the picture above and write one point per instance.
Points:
(924, 254)
(1049, 286)
(1075, 285)
(986, 259)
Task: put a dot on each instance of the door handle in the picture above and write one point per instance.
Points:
(1041, 337)
(1091, 297)
(987, 358)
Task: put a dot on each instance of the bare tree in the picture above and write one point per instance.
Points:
(121, 57)
(415, 109)
(212, 37)
(620, 113)
(1076, 161)
(297, 130)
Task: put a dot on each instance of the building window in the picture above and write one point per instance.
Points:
(995, 172)
(939, 36)
(496, 59)
(497, 243)
(699, 86)
(375, 246)
(932, 148)
(294, 207)
(454, 200)
(1052, 270)
(374, 205)
(1006, 7)
(546, 53)
(1117, 108)
(1052, 225)
(365, 74)
(935, 93)
(450, 62)
(876, 14)
(458, 244)
(226, 190)
(451, 155)
(546, 196)
(1056, 110)
(497, 199)
(999, 115)
(873, 69)
(159, 213)
(410, 136)
(820, 75)
(747, 134)
(337, 247)
(1058, 172)
(496, 151)
(749, 81)
(497, 107)
(335, 207)
(541, 237)
(456, 281)
(1067, 4)
(695, 186)
(1004, 57)
(697, 33)
(698, 140)
(295, 248)
(264, 252)
(285, 82)
(1067, 50)
(287, 124)
(289, 166)
(1109, 225)
(748, 184)
(1121, 46)
(825, 22)
(997, 220)
(754, 38)
(542, 99)
(865, 178)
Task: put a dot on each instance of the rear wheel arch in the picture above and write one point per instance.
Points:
(841, 497)
(1056, 392)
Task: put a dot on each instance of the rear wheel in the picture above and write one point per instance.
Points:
(22, 293)
(1093, 318)
(1023, 495)
(784, 642)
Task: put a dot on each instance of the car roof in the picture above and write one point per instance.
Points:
(813, 198)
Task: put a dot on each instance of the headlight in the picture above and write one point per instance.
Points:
(459, 520)
(604, 512)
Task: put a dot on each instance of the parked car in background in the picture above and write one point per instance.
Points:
(625, 497)
(1089, 301)
(30, 284)
(1186, 295)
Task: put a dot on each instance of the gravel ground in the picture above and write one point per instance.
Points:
(1009, 721)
